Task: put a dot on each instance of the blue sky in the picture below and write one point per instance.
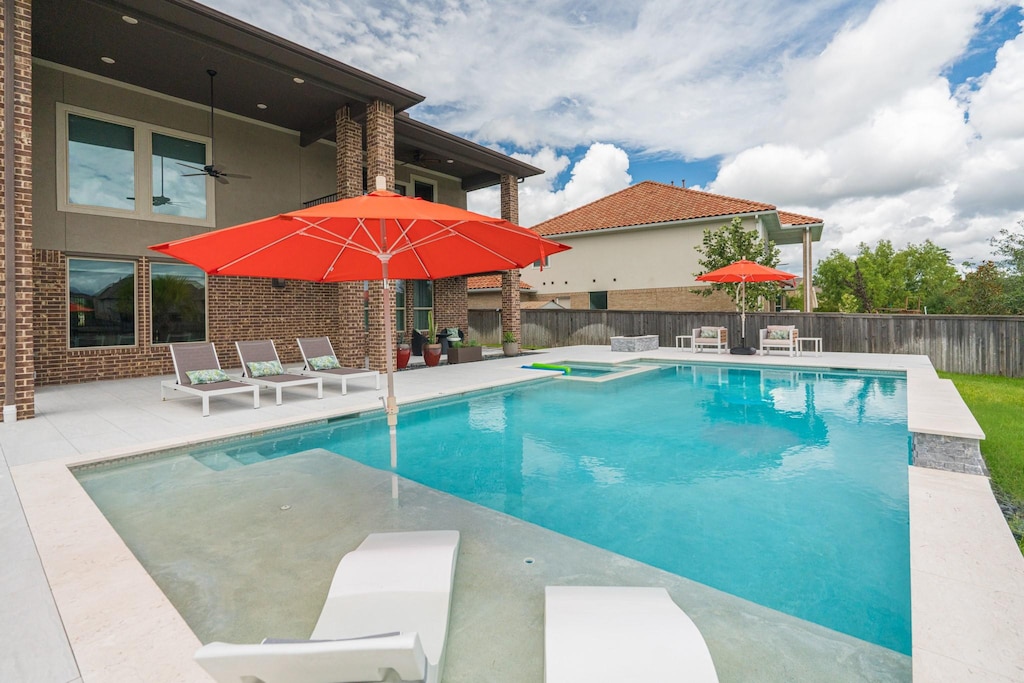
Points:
(888, 119)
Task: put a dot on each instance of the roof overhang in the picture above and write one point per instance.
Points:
(794, 234)
(173, 43)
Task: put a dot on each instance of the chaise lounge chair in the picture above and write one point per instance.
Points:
(262, 366)
(319, 360)
(197, 371)
(386, 614)
(597, 634)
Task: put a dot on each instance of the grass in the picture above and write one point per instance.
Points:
(998, 405)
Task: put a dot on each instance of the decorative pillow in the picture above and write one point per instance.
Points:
(778, 334)
(207, 376)
(265, 368)
(709, 333)
(324, 363)
(453, 334)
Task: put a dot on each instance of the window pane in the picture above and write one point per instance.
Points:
(599, 300)
(101, 163)
(101, 303)
(177, 191)
(178, 303)
(423, 191)
(423, 293)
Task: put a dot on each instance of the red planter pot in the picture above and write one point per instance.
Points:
(402, 356)
(432, 355)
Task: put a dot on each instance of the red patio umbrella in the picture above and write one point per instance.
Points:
(745, 271)
(378, 236)
(78, 308)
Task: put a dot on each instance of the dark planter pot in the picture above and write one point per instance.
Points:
(402, 356)
(431, 355)
(465, 354)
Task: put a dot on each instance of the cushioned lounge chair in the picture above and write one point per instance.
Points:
(262, 366)
(710, 338)
(598, 634)
(780, 338)
(317, 351)
(200, 359)
(386, 614)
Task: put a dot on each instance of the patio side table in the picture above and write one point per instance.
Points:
(816, 342)
(681, 342)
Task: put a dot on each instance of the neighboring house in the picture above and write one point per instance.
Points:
(112, 146)
(485, 291)
(636, 249)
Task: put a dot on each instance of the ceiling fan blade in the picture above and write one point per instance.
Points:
(189, 175)
(221, 179)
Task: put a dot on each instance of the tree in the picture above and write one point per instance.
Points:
(732, 243)
(982, 292)
(1010, 245)
(834, 278)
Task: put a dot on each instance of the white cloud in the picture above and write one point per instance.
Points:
(837, 108)
(602, 171)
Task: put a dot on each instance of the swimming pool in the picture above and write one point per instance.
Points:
(785, 487)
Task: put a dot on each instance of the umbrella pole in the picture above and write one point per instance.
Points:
(390, 404)
(743, 314)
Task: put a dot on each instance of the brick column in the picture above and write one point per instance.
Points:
(510, 304)
(350, 337)
(16, 209)
(451, 303)
(380, 160)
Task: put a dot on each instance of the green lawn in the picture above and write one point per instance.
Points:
(998, 405)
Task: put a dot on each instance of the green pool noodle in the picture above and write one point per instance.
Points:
(547, 366)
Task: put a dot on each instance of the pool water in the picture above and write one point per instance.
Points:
(784, 487)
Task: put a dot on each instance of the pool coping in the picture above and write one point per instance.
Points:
(70, 538)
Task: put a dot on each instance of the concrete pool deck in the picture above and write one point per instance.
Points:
(78, 606)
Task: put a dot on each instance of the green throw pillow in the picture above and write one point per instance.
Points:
(324, 363)
(778, 334)
(265, 368)
(709, 332)
(207, 376)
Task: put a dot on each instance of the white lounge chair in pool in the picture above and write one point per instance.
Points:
(206, 379)
(262, 366)
(386, 614)
(598, 634)
(319, 360)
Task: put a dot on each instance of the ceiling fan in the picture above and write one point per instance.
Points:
(419, 157)
(211, 169)
(161, 199)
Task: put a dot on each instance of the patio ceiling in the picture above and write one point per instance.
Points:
(173, 42)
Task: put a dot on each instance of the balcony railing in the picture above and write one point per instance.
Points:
(320, 200)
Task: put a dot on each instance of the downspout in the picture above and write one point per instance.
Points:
(10, 244)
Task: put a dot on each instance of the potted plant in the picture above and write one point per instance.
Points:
(431, 350)
(403, 353)
(509, 345)
(465, 352)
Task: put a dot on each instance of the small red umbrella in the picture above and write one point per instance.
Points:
(78, 308)
(745, 271)
(378, 236)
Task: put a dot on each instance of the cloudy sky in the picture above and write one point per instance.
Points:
(896, 119)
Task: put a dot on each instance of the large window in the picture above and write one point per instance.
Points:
(599, 301)
(101, 303)
(117, 167)
(422, 302)
(399, 286)
(177, 303)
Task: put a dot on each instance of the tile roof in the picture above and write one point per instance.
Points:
(787, 218)
(492, 281)
(645, 203)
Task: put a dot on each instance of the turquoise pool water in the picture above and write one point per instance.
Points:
(787, 488)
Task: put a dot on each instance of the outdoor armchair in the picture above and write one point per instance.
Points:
(780, 338)
(710, 338)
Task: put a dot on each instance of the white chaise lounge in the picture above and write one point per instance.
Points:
(198, 361)
(609, 634)
(262, 366)
(386, 615)
(319, 360)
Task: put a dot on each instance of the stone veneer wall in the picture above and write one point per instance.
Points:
(238, 308)
(950, 453)
(20, 166)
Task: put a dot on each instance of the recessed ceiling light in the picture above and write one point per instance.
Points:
(298, 80)
(449, 161)
(261, 106)
(107, 60)
(129, 20)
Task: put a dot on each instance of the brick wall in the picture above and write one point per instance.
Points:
(380, 160)
(451, 304)
(238, 309)
(510, 302)
(16, 103)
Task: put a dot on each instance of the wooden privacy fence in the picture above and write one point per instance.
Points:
(977, 345)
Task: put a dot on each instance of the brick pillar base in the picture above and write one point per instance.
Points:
(375, 335)
(510, 304)
(451, 303)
